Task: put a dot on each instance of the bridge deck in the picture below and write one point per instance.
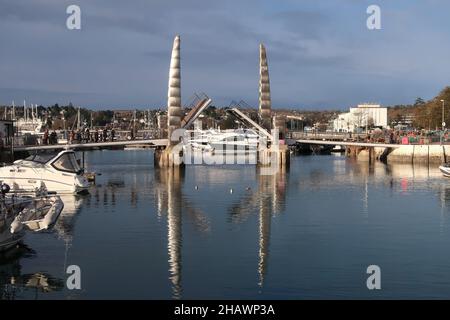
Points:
(154, 142)
(348, 143)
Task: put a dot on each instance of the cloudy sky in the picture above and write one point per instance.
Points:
(321, 54)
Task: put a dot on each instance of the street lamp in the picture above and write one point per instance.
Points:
(443, 122)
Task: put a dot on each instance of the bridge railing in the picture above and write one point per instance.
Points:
(65, 137)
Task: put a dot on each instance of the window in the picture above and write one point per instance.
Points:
(40, 158)
(67, 162)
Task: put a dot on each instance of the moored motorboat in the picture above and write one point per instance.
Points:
(58, 173)
(227, 141)
(445, 169)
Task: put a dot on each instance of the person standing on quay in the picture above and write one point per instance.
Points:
(45, 138)
(87, 134)
(53, 137)
(105, 134)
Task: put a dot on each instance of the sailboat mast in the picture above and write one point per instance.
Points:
(78, 119)
(32, 113)
(25, 110)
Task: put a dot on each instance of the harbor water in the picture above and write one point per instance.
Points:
(228, 232)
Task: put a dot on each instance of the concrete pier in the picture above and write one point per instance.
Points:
(421, 154)
(275, 156)
(169, 157)
(391, 153)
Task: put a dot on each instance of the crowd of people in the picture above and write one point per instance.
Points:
(407, 136)
(80, 136)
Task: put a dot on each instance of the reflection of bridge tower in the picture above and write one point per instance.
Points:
(268, 200)
(171, 200)
(170, 156)
(272, 194)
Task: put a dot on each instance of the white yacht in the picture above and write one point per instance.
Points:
(31, 126)
(445, 169)
(58, 173)
(228, 141)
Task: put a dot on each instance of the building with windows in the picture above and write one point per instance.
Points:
(363, 116)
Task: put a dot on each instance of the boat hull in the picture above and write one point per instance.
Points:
(445, 171)
(27, 184)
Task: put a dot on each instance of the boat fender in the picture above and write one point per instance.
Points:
(16, 225)
(5, 188)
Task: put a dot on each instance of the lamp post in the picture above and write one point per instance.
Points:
(443, 121)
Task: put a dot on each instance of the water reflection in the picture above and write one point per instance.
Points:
(169, 200)
(267, 200)
(14, 284)
(65, 224)
(322, 203)
(272, 197)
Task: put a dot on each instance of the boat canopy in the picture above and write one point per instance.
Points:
(66, 162)
(63, 161)
(41, 157)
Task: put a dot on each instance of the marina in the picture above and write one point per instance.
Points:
(273, 237)
(269, 151)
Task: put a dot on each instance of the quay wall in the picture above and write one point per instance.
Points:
(425, 154)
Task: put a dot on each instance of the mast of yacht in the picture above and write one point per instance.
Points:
(78, 119)
(32, 114)
(25, 110)
(134, 122)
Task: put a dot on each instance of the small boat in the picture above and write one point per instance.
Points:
(38, 214)
(445, 169)
(60, 173)
(20, 213)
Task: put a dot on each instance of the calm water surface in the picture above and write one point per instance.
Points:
(309, 233)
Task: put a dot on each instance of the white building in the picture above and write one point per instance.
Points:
(362, 116)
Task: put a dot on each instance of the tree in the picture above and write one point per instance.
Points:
(419, 101)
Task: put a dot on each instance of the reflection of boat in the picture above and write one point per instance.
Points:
(59, 173)
(445, 169)
(13, 283)
(65, 225)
